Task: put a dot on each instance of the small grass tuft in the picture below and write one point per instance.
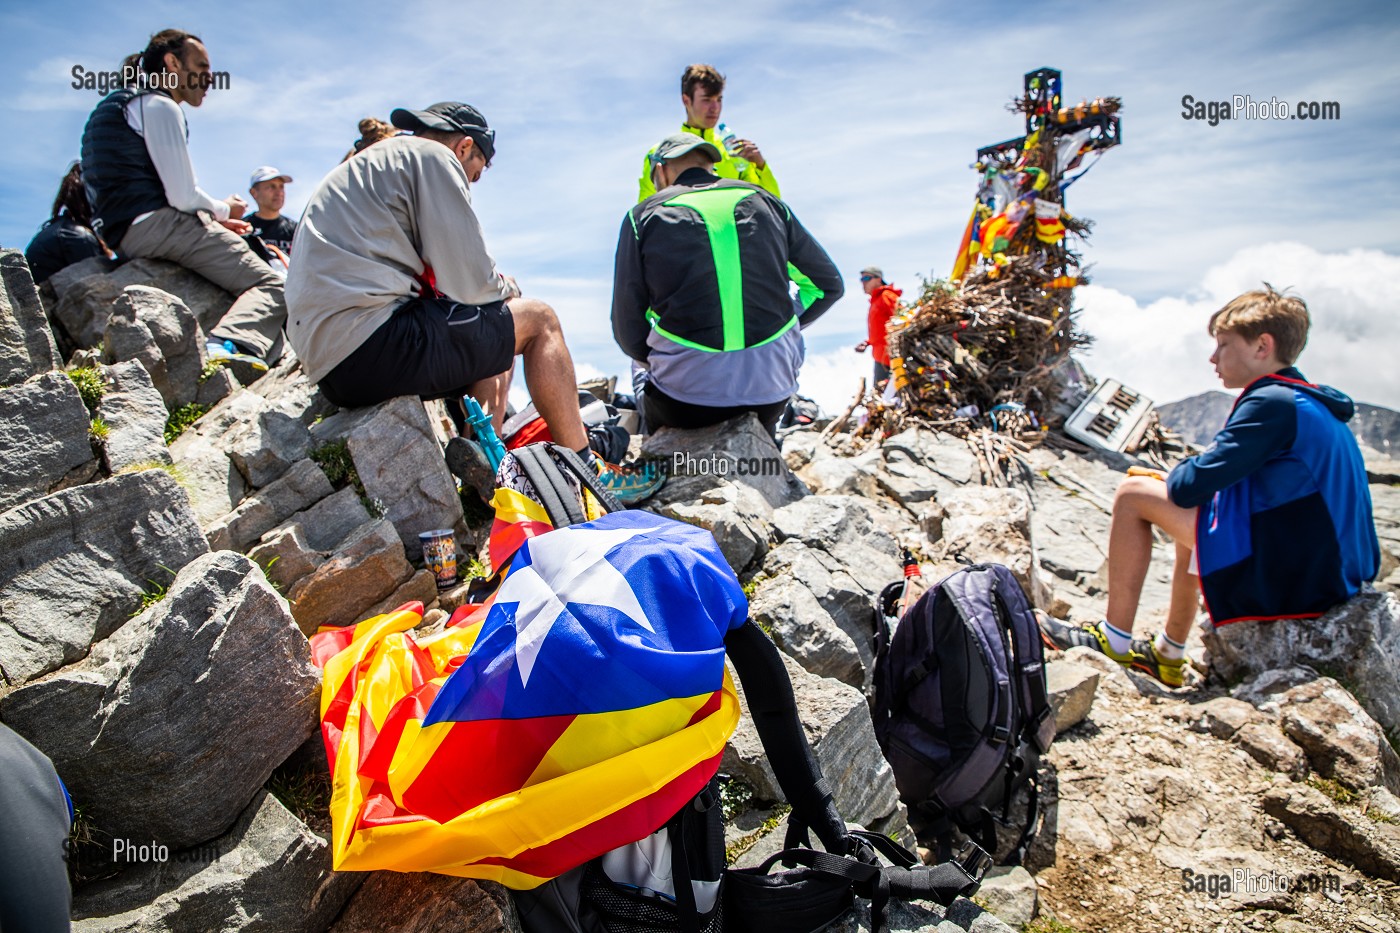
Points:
(155, 592)
(743, 844)
(210, 368)
(90, 386)
(333, 457)
(181, 418)
(306, 792)
(1049, 925)
(99, 429)
(1339, 793)
(1376, 816)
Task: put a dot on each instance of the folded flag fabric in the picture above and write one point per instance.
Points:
(575, 711)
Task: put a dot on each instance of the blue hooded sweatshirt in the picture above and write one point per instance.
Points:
(1284, 529)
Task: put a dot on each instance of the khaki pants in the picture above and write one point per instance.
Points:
(200, 244)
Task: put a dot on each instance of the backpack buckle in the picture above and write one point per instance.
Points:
(1001, 735)
(973, 859)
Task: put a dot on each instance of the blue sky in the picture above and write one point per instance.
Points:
(870, 115)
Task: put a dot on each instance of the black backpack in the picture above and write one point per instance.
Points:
(961, 709)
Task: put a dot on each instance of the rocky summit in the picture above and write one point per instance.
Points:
(169, 537)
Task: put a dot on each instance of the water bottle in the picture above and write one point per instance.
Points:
(729, 139)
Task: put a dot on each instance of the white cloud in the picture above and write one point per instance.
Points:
(1161, 347)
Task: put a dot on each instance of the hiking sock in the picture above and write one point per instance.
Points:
(1120, 641)
(589, 458)
(1167, 649)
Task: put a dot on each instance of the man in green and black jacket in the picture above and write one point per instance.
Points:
(701, 292)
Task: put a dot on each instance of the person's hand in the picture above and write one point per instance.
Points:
(1147, 471)
(748, 149)
(862, 346)
(240, 227)
(237, 207)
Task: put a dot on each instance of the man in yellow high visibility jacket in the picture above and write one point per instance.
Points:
(702, 94)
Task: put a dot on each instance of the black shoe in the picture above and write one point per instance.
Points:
(467, 462)
(1058, 635)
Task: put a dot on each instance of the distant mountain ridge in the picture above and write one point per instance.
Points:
(1198, 418)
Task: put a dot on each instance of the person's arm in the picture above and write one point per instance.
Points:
(818, 280)
(450, 234)
(162, 125)
(768, 690)
(1262, 425)
(629, 321)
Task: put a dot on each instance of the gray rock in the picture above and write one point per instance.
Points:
(366, 568)
(401, 466)
(135, 415)
(74, 565)
(735, 515)
(303, 485)
(834, 524)
(1071, 687)
(168, 728)
(838, 726)
(420, 588)
(987, 524)
(1372, 847)
(800, 448)
(1222, 717)
(264, 448)
(83, 304)
(805, 631)
(738, 450)
(421, 902)
(843, 476)
(962, 916)
(305, 541)
(215, 387)
(43, 437)
(1263, 742)
(1358, 642)
(1342, 742)
(1011, 894)
(64, 278)
(216, 485)
(287, 390)
(26, 343)
(157, 330)
(1263, 690)
(267, 873)
(906, 479)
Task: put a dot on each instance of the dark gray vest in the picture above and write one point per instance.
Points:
(121, 181)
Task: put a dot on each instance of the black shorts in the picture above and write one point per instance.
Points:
(431, 348)
(663, 411)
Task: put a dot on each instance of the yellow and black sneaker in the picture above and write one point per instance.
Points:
(1060, 636)
(1147, 660)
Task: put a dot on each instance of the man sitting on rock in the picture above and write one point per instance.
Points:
(1276, 510)
(147, 204)
(700, 292)
(393, 291)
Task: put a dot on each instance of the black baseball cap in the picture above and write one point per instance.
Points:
(449, 117)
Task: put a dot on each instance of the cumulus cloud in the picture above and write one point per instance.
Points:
(1161, 347)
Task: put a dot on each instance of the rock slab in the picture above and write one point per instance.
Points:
(43, 437)
(135, 415)
(26, 343)
(398, 902)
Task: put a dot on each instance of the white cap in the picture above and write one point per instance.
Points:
(267, 173)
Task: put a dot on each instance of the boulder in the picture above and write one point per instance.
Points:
(215, 484)
(26, 343)
(167, 729)
(906, 479)
(43, 438)
(948, 459)
(805, 631)
(838, 726)
(1372, 847)
(1263, 742)
(1357, 642)
(83, 303)
(401, 466)
(267, 873)
(1342, 742)
(304, 542)
(135, 415)
(157, 330)
(1010, 892)
(986, 524)
(420, 588)
(366, 568)
(844, 476)
(218, 385)
(738, 450)
(303, 485)
(1222, 717)
(401, 902)
(1071, 687)
(74, 565)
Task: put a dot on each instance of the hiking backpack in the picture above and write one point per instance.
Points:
(961, 708)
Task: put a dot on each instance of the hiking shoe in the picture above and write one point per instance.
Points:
(630, 485)
(246, 367)
(467, 461)
(1147, 660)
(1058, 635)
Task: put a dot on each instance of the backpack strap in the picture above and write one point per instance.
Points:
(588, 477)
(554, 493)
(1030, 658)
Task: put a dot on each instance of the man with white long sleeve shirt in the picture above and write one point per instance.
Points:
(148, 204)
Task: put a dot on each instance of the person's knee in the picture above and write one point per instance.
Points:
(533, 319)
(1137, 492)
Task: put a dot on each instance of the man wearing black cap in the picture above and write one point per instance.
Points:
(394, 292)
(700, 291)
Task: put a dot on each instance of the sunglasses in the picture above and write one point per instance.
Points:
(867, 278)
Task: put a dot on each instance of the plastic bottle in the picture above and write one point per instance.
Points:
(729, 139)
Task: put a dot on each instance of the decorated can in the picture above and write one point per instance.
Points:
(440, 554)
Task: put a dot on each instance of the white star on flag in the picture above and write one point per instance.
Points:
(572, 563)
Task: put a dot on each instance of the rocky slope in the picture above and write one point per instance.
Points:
(154, 600)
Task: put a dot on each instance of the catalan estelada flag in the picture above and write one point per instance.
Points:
(575, 711)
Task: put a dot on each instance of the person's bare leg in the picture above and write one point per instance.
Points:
(549, 370)
(1186, 597)
(1140, 503)
(493, 393)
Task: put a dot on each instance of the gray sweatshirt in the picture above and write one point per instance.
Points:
(368, 231)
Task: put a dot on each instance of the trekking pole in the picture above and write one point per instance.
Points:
(484, 431)
(911, 592)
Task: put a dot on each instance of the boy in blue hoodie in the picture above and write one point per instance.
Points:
(1273, 519)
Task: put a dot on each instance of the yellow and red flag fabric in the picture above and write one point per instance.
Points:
(575, 711)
